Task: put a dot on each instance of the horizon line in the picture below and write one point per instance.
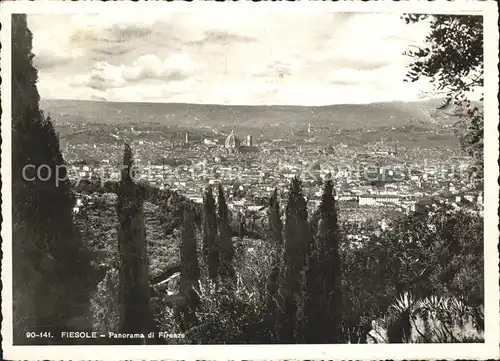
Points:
(423, 99)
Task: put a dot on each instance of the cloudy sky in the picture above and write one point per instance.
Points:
(232, 58)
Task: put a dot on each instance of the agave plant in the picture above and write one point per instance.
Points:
(399, 329)
(458, 307)
(432, 307)
(405, 303)
(447, 319)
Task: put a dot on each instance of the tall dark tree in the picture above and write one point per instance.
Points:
(51, 269)
(190, 270)
(297, 241)
(241, 225)
(275, 227)
(323, 309)
(209, 226)
(226, 248)
(135, 316)
(275, 223)
(453, 60)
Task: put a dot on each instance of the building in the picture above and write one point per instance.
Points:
(232, 143)
(209, 141)
(371, 200)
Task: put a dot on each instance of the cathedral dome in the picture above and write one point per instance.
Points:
(232, 141)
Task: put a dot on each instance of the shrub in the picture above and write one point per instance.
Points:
(237, 313)
(438, 252)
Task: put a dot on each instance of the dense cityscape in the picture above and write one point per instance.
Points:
(381, 174)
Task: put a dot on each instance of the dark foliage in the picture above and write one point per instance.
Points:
(190, 272)
(399, 328)
(226, 249)
(172, 205)
(323, 303)
(275, 223)
(453, 53)
(135, 316)
(438, 253)
(275, 227)
(209, 227)
(48, 258)
(297, 241)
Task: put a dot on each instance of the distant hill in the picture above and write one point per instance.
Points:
(343, 116)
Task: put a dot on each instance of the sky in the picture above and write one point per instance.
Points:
(261, 58)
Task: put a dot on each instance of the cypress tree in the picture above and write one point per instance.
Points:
(135, 316)
(51, 268)
(241, 225)
(190, 271)
(323, 288)
(226, 249)
(275, 229)
(297, 241)
(209, 226)
(275, 224)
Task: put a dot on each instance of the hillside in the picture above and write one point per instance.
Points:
(343, 116)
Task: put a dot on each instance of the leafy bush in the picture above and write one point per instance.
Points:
(437, 253)
(237, 313)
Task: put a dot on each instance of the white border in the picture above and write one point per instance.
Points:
(490, 349)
